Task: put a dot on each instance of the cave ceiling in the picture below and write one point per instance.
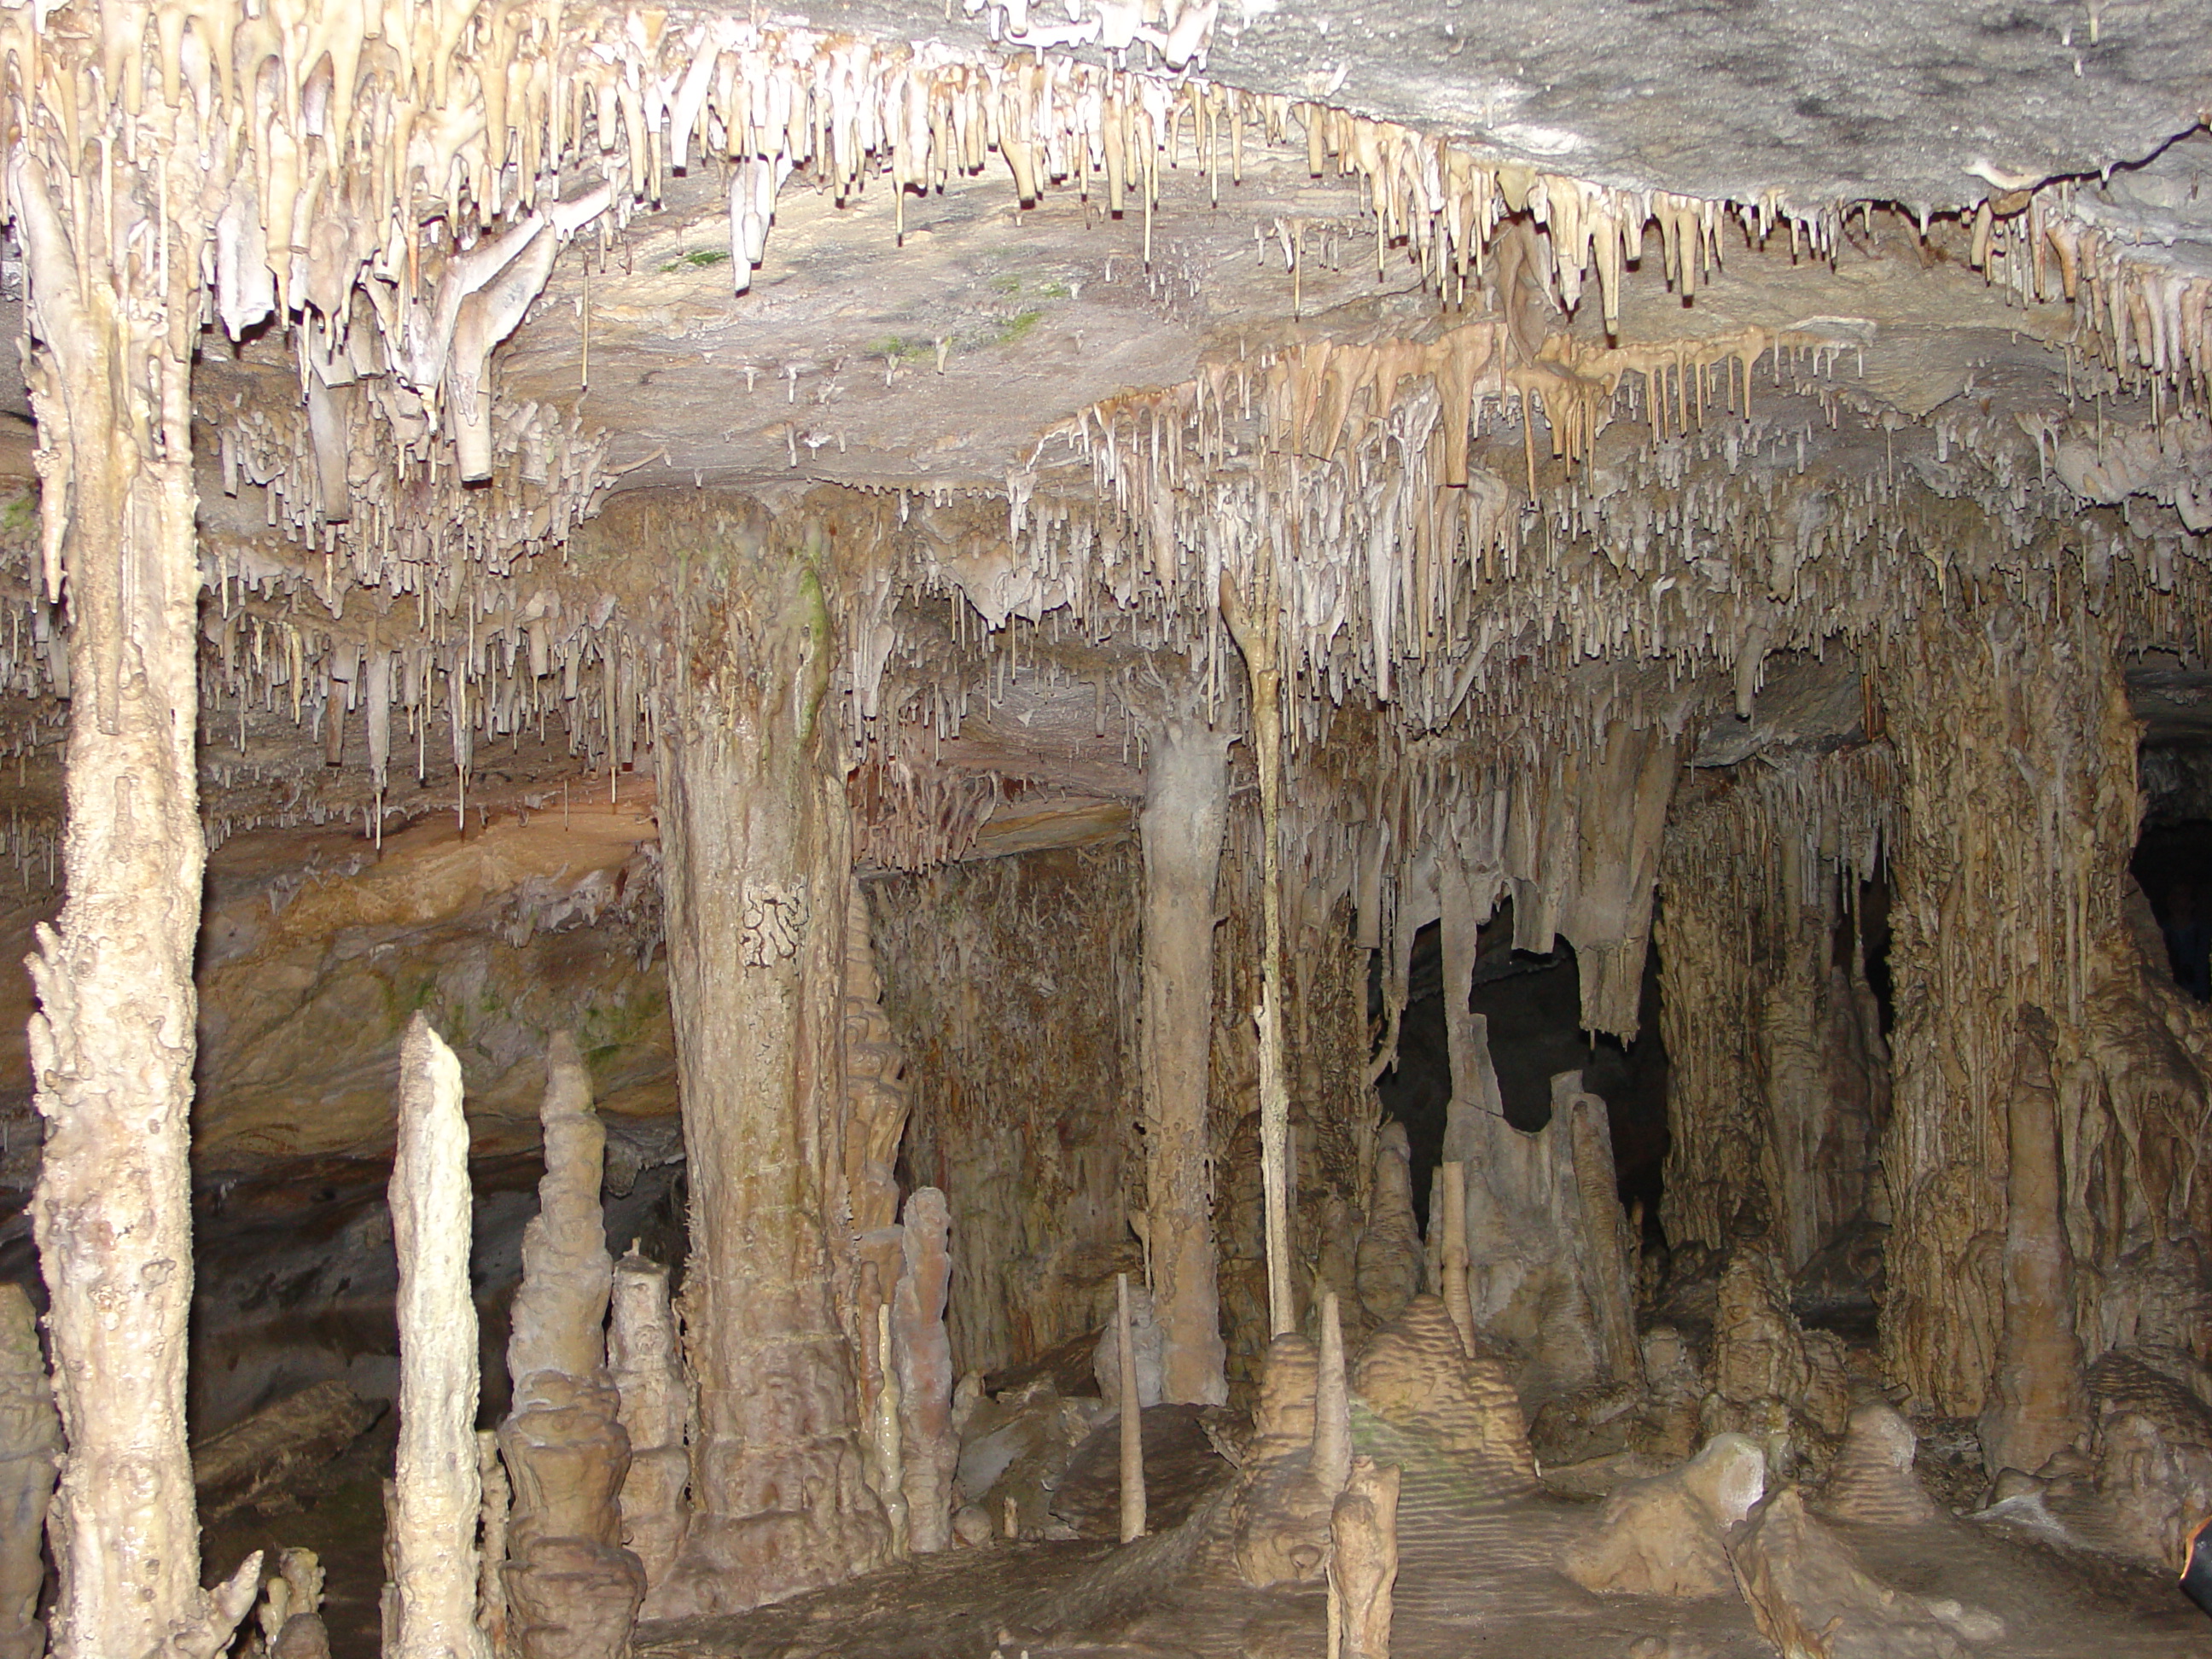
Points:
(1870, 263)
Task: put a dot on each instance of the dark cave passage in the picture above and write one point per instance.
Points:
(1533, 1005)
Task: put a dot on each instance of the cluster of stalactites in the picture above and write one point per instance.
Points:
(393, 182)
(514, 664)
(394, 514)
(2136, 308)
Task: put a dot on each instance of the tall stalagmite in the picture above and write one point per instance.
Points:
(430, 1606)
(2038, 1404)
(757, 843)
(1185, 815)
(572, 1589)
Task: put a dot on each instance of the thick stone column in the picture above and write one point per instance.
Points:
(2017, 752)
(756, 854)
(1185, 813)
(113, 1044)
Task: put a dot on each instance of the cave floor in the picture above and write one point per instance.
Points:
(1476, 1576)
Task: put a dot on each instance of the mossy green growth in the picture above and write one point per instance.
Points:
(705, 258)
(1016, 327)
(900, 349)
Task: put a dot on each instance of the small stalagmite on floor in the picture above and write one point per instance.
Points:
(1133, 1419)
(572, 1589)
(1363, 1562)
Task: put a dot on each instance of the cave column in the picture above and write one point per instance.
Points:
(1186, 814)
(113, 1043)
(2017, 755)
(756, 843)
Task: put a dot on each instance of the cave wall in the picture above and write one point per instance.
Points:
(2014, 913)
(1013, 985)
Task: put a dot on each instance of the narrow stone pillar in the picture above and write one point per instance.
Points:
(923, 1350)
(432, 1546)
(1132, 1418)
(757, 852)
(1185, 813)
(113, 1043)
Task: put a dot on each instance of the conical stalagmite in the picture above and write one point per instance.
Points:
(1388, 1263)
(431, 1601)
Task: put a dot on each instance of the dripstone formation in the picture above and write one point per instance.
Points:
(1334, 828)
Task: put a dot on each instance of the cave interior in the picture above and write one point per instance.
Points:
(1141, 828)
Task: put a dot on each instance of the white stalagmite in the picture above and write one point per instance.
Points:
(572, 1589)
(433, 1546)
(1186, 813)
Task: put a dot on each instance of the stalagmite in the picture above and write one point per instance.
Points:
(1133, 1419)
(647, 1369)
(2037, 1404)
(1388, 1261)
(432, 1544)
(887, 1466)
(30, 1455)
(923, 1352)
(572, 1589)
(1363, 1561)
(1185, 815)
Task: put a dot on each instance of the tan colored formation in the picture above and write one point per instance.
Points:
(572, 1589)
